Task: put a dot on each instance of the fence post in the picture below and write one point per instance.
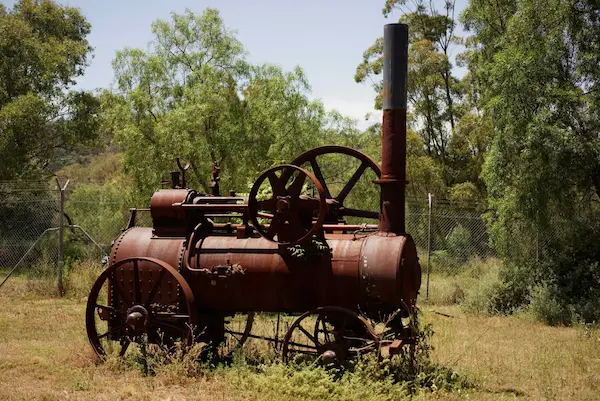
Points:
(59, 283)
(429, 196)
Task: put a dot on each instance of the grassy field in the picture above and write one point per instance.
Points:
(44, 355)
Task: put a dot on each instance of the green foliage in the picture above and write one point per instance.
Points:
(315, 248)
(97, 169)
(193, 95)
(102, 210)
(365, 378)
(501, 291)
(460, 242)
(435, 95)
(464, 195)
(533, 76)
(43, 48)
(546, 308)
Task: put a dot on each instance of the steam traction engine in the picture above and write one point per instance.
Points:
(193, 278)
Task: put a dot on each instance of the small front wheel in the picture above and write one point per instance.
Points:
(329, 335)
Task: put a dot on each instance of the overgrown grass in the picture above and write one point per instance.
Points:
(40, 281)
(468, 286)
(366, 378)
(487, 287)
(44, 355)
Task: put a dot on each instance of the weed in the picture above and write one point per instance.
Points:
(80, 386)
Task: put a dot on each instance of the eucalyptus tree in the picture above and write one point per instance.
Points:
(536, 67)
(434, 92)
(43, 49)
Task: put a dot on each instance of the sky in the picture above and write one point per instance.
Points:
(324, 37)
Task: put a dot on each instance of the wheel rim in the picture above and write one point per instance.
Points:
(337, 208)
(329, 335)
(237, 331)
(291, 215)
(116, 314)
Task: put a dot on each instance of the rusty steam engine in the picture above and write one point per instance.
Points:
(192, 278)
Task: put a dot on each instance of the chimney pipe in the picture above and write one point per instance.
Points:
(393, 141)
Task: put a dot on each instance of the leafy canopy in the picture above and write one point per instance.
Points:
(537, 78)
(43, 49)
(193, 95)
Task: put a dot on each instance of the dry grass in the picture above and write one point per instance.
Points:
(44, 355)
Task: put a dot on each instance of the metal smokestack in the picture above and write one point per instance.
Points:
(393, 141)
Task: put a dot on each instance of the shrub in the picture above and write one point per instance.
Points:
(501, 291)
(442, 262)
(546, 308)
(460, 243)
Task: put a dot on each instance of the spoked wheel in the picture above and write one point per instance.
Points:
(339, 187)
(292, 216)
(328, 335)
(237, 330)
(136, 298)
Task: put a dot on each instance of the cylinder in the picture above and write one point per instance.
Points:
(393, 141)
(356, 275)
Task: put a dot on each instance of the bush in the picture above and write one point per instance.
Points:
(501, 291)
(442, 262)
(460, 243)
(546, 308)
(366, 378)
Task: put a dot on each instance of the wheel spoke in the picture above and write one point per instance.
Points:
(274, 226)
(307, 334)
(169, 325)
(136, 283)
(122, 294)
(319, 176)
(296, 187)
(124, 345)
(299, 351)
(302, 345)
(295, 226)
(276, 184)
(232, 335)
(351, 183)
(113, 330)
(325, 331)
(155, 288)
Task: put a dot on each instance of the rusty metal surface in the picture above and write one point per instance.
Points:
(393, 140)
(216, 256)
(141, 305)
(291, 213)
(390, 278)
(141, 241)
(356, 274)
(272, 280)
(337, 210)
(167, 220)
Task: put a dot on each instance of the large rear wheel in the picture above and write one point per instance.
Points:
(139, 298)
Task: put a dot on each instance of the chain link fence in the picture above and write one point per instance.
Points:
(447, 235)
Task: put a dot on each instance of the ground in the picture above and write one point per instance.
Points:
(44, 355)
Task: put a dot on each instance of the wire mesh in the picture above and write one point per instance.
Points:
(29, 220)
(28, 212)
